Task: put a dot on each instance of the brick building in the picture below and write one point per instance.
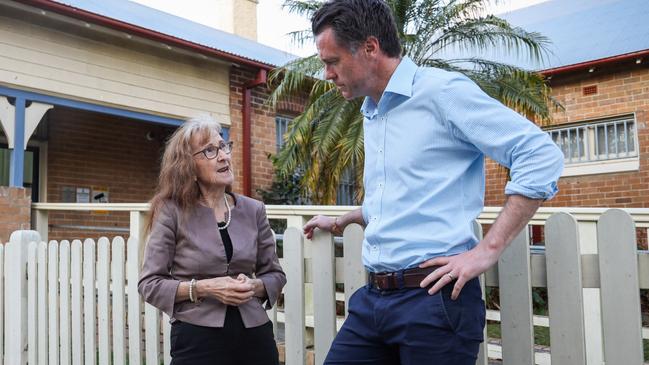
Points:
(599, 72)
(89, 91)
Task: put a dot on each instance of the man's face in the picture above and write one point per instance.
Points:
(349, 71)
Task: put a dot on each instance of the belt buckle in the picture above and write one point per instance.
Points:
(374, 281)
(382, 281)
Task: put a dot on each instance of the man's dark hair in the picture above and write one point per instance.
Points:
(353, 21)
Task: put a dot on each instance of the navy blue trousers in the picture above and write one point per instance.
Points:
(411, 327)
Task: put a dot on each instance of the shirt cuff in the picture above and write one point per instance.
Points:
(545, 192)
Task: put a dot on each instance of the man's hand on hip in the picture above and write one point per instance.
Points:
(515, 214)
(459, 269)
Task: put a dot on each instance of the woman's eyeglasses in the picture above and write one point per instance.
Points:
(212, 151)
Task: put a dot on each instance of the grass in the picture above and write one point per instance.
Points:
(541, 334)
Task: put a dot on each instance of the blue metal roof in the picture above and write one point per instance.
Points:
(585, 30)
(168, 24)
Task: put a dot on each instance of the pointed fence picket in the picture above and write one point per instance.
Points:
(134, 302)
(76, 265)
(118, 303)
(324, 294)
(41, 293)
(53, 302)
(565, 296)
(516, 302)
(32, 304)
(621, 316)
(89, 306)
(294, 297)
(64, 302)
(76, 303)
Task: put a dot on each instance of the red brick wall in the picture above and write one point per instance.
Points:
(622, 90)
(262, 130)
(94, 150)
(15, 210)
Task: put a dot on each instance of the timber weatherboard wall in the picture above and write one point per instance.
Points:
(90, 64)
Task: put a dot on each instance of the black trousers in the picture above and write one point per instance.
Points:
(232, 344)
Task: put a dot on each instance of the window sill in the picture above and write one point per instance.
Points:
(601, 167)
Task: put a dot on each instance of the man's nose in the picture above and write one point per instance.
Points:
(329, 73)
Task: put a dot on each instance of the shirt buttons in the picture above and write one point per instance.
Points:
(380, 150)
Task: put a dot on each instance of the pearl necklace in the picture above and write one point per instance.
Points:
(227, 222)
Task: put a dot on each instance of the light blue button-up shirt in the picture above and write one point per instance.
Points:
(424, 176)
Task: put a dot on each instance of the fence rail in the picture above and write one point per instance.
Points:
(77, 303)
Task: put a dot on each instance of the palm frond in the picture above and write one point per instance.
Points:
(305, 8)
(295, 78)
(301, 37)
(491, 33)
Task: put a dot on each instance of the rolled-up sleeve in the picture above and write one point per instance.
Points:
(534, 160)
(269, 270)
(156, 284)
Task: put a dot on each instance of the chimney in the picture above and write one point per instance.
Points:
(238, 17)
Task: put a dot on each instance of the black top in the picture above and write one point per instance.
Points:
(227, 242)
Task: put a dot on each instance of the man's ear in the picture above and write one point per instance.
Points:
(372, 46)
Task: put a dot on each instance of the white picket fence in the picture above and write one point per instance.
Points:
(60, 306)
(591, 268)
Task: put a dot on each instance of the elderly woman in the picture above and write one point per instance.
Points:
(210, 260)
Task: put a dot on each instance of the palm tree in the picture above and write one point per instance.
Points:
(327, 137)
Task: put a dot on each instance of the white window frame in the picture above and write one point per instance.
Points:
(42, 166)
(588, 162)
(281, 126)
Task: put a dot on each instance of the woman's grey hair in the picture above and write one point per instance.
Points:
(202, 125)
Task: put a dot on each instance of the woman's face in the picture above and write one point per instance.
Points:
(213, 161)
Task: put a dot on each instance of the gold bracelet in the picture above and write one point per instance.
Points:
(336, 227)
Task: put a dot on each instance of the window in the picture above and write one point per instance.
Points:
(30, 169)
(281, 125)
(611, 142)
(346, 187)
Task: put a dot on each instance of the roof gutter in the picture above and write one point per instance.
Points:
(260, 79)
(140, 31)
(594, 63)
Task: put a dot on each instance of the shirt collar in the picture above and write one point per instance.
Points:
(400, 83)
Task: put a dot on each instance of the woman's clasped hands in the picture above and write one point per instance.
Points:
(228, 290)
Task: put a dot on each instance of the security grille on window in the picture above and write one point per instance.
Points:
(281, 125)
(608, 140)
(346, 188)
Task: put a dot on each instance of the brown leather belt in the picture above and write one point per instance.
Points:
(409, 278)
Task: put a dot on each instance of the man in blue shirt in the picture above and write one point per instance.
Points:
(426, 132)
